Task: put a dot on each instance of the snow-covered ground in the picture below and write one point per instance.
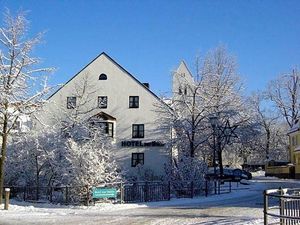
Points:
(242, 206)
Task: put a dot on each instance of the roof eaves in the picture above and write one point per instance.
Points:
(76, 75)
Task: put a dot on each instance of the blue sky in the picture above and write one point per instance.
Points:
(150, 38)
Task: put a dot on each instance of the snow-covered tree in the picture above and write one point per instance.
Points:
(92, 161)
(284, 92)
(86, 156)
(20, 89)
(215, 90)
(272, 129)
(31, 159)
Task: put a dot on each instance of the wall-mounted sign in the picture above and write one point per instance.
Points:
(142, 144)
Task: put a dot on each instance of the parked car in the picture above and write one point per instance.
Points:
(230, 173)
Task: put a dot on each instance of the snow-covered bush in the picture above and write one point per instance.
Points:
(31, 159)
(143, 173)
(47, 158)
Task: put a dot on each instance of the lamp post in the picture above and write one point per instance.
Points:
(214, 123)
(222, 134)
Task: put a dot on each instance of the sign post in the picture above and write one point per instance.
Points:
(7, 191)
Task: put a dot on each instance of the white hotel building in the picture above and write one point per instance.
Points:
(126, 108)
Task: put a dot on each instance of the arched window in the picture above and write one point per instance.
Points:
(102, 77)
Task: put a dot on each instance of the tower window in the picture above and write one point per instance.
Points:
(185, 91)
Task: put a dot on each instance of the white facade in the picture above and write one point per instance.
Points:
(119, 93)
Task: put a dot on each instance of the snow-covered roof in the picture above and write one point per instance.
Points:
(295, 127)
(297, 148)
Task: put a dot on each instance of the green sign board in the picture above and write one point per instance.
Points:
(100, 192)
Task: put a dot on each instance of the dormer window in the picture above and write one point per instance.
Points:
(102, 77)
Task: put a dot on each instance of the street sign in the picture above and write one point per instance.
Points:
(100, 192)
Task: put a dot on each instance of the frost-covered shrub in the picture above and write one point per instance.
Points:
(47, 158)
(186, 173)
(143, 173)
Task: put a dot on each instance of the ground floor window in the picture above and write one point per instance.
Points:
(137, 158)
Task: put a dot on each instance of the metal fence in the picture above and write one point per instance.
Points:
(63, 194)
(126, 192)
(282, 205)
(146, 191)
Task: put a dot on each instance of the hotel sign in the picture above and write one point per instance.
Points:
(142, 144)
(104, 192)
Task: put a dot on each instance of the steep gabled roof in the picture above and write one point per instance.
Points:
(120, 67)
(295, 127)
(184, 67)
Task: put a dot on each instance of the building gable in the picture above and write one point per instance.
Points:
(103, 54)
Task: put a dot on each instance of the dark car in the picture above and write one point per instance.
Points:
(229, 173)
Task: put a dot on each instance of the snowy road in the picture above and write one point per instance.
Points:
(239, 207)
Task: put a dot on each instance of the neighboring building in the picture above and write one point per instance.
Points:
(290, 169)
(182, 79)
(294, 148)
(126, 108)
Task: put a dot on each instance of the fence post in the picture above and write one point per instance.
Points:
(67, 195)
(281, 212)
(51, 194)
(230, 186)
(7, 190)
(192, 189)
(215, 186)
(37, 192)
(87, 195)
(146, 191)
(206, 188)
(121, 193)
(169, 190)
(24, 194)
(219, 187)
(265, 208)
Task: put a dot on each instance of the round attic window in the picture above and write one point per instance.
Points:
(102, 77)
